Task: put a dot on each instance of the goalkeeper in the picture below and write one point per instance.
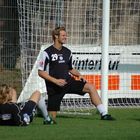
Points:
(13, 113)
(55, 66)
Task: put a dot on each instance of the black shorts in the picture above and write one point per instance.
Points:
(56, 93)
(29, 109)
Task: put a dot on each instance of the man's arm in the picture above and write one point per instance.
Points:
(13, 95)
(76, 73)
(46, 76)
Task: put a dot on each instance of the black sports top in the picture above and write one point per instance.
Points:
(56, 62)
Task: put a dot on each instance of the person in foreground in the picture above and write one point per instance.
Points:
(55, 66)
(13, 113)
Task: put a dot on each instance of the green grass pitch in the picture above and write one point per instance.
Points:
(71, 127)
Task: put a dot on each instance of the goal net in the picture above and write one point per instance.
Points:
(83, 22)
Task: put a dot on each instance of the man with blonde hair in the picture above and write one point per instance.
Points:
(55, 67)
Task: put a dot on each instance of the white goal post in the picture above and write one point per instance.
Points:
(84, 23)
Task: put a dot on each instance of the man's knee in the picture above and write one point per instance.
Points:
(88, 87)
(35, 96)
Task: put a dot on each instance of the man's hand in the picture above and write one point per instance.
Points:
(82, 78)
(60, 82)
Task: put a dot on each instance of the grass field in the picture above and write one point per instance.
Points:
(126, 127)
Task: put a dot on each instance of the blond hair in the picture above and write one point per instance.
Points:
(4, 93)
(56, 31)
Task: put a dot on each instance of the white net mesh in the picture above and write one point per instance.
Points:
(83, 22)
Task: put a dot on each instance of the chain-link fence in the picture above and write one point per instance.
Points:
(9, 44)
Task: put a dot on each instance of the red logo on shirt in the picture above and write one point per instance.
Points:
(41, 63)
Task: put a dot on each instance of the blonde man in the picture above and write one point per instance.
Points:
(55, 66)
